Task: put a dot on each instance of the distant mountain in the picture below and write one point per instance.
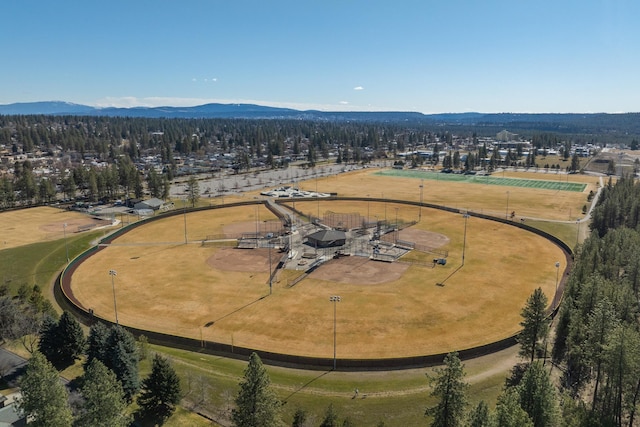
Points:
(628, 123)
(241, 111)
(47, 108)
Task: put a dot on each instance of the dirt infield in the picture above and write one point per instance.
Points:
(25, 226)
(232, 259)
(423, 237)
(73, 225)
(359, 271)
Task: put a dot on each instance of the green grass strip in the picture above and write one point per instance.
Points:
(487, 179)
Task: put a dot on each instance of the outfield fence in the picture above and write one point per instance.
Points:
(67, 300)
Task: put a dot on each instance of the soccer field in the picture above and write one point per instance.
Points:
(487, 179)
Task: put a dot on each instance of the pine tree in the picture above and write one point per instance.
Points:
(44, 398)
(124, 364)
(509, 413)
(537, 396)
(256, 403)
(72, 340)
(299, 418)
(97, 342)
(449, 387)
(104, 401)
(535, 324)
(479, 417)
(48, 344)
(160, 390)
(193, 191)
(330, 417)
(117, 349)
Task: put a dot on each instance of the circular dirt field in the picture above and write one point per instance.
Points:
(387, 310)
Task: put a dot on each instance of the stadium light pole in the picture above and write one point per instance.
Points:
(397, 229)
(557, 277)
(578, 233)
(464, 239)
(385, 209)
(114, 273)
(335, 299)
(257, 220)
(66, 247)
(185, 221)
(368, 201)
(270, 272)
(506, 214)
(420, 208)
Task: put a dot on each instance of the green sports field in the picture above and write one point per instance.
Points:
(487, 179)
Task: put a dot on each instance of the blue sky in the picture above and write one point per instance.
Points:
(429, 56)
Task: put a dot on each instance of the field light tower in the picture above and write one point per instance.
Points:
(335, 299)
(66, 248)
(114, 273)
(464, 240)
(557, 277)
(506, 215)
(184, 215)
(420, 208)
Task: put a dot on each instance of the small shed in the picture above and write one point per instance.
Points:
(327, 238)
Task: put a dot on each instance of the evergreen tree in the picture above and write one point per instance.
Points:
(61, 342)
(118, 350)
(299, 418)
(48, 344)
(123, 360)
(44, 398)
(160, 391)
(509, 413)
(330, 417)
(537, 396)
(138, 188)
(97, 342)
(449, 387)
(166, 187)
(104, 402)
(193, 191)
(154, 183)
(479, 416)
(256, 403)
(72, 340)
(575, 163)
(535, 324)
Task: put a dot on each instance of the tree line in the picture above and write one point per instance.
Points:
(110, 382)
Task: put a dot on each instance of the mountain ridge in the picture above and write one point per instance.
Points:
(552, 122)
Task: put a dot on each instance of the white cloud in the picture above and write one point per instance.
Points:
(358, 88)
(194, 79)
(215, 79)
(344, 102)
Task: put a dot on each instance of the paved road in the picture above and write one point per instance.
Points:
(223, 183)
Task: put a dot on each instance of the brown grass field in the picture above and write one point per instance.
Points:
(222, 294)
(488, 199)
(26, 226)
